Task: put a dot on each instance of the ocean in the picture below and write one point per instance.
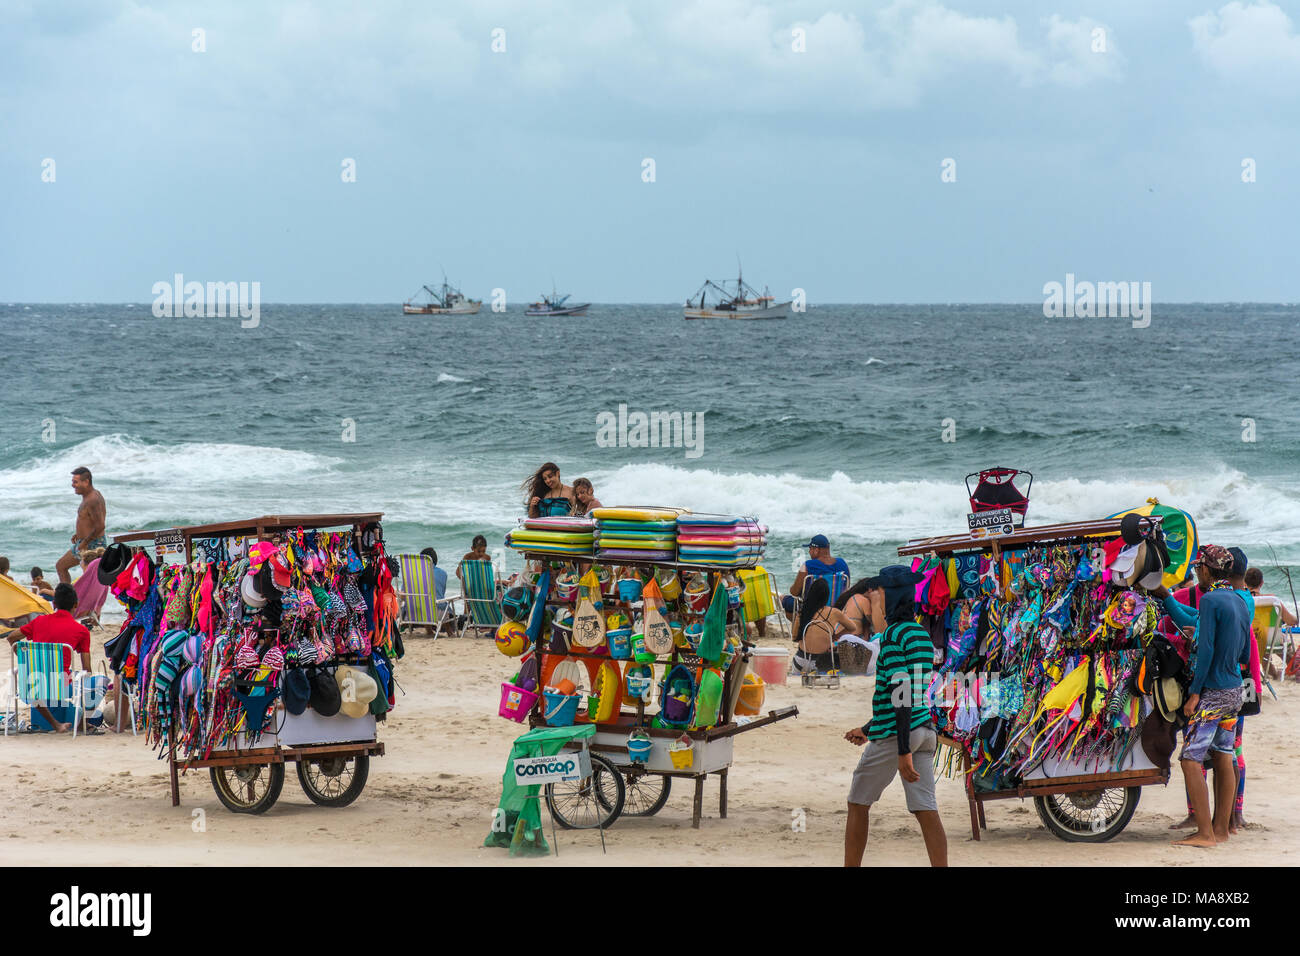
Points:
(855, 421)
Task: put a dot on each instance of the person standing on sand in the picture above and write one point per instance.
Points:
(1214, 699)
(91, 518)
(900, 737)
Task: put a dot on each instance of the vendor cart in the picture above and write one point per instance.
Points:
(1074, 803)
(331, 754)
(622, 786)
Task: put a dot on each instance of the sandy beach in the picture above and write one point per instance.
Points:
(103, 800)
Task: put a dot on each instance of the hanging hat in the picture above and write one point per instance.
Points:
(1159, 739)
(1169, 698)
(1130, 528)
(297, 691)
(113, 562)
(356, 689)
(248, 592)
(280, 570)
(260, 551)
(325, 698)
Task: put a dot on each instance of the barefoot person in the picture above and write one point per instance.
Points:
(91, 516)
(58, 628)
(1214, 699)
(900, 738)
(545, 495)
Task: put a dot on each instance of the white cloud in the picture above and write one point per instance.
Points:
(1255, 42)
(1081, 51)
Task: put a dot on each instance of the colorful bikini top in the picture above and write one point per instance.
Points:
(553, 507)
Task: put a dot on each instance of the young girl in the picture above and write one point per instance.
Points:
(585, 495)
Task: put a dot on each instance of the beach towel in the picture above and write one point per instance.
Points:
(715, 625)
(90, 593)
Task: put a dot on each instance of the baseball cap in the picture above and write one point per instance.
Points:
(818, 541)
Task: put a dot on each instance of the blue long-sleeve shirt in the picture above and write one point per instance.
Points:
(1222, 637)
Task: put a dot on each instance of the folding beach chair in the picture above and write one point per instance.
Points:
(38, 680)
(759, 598)
(90, 595)
(481, 601)
(419, 596)
(829, 678)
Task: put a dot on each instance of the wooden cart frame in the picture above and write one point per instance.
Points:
(1072, 532)
(626, 721)
(266, 527)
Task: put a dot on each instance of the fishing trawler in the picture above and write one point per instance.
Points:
(446, 301)
(555, 304)
(742, 302)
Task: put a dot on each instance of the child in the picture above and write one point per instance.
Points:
(41, 586)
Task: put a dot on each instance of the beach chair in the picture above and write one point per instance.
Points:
(759, 598)
(90, 595)
(419, 596)
(480, 597)
(829, 678)
(38, 680)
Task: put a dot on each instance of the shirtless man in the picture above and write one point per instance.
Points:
(90, 523)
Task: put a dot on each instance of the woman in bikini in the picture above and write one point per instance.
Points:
(545, 495)
(815, 627)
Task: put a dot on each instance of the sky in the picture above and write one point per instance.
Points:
(507, 143)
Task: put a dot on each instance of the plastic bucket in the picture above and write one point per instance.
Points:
(638, 748)
(638, 684)
(770, 663)
(516, 702)
(683, 758)
(669, 585)
(561, 709)
(620, 643)
(698, 601)
(629, 590)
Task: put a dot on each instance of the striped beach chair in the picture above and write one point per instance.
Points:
(758, 596)
(481, 601)
(419, 594)
(38, 680)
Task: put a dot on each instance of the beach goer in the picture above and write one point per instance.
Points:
(857, 606)
(41, 586)
(4, 567)
(1255, 585)
(585, 496)
(820, 563)
(58, 628)
(900, 737)
(1214, 698)
(91, 518)
(815, 627)
(545, 495)
(439, 580)
(477, 552)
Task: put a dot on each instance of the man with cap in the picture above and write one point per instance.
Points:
(820, 564)
(1222, 639)
(900, 737)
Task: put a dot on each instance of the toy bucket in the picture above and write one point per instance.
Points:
(516, 702)
(629, 590)
(638, 684)
(681, 755)
(561, 709)
(620, 643)
(733, 595)
(639, 746)
(676, 710)
(678, 632)
(693, 634)
(565, 592)
(669, 585)
(698, 601)
(771, 663)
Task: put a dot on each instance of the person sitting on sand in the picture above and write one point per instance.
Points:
(545, 495)
(58, 628)
(91, 518)
(585, 496)
(815, 627)
(900, 737)
(41, 586)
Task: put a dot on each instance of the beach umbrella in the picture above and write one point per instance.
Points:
(17, 601)
(1180, 537)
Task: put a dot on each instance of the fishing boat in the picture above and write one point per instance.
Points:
(446, 301)
(740, 302)
(554, 304)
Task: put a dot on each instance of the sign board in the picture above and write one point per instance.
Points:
(171, 541)
(567, 765)
(990, 524)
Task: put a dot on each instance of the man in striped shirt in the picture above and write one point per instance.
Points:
(899, 737)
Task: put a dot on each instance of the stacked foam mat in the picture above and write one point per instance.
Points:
(720, 541)
(636, 534)
(566, 537)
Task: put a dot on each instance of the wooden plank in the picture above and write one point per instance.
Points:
(255, 525)
(730, 730)
(956, 543)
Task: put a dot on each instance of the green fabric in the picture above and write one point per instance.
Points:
(519, 807)
(906, 659)
(715, 625)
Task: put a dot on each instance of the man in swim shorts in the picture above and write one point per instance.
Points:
(91, 517)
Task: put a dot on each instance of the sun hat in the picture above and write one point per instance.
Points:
(297, 691)
(1169, 698)
(113, 562)
(248, 592)
(325, 698)
(356, 690)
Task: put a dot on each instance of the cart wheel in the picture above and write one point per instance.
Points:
(1088, 816)
(586, 804)
(646, 793)
(252, 788)
(334, 781)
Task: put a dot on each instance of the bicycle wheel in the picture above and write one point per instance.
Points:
(646, 793)
(1088, 816)
(252, 788)
(586, 804)
(334, 781)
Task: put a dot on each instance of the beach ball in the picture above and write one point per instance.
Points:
(512, 639)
